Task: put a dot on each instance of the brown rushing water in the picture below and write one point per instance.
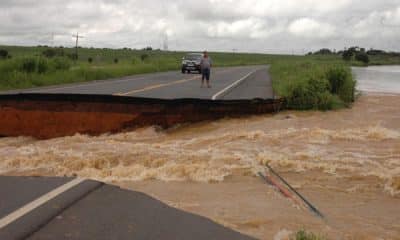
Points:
(346, 162)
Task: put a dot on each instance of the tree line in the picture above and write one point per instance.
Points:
(355, 53)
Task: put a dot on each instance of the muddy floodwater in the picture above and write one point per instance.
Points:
(346, 162)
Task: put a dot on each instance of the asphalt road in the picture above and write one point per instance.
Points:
(65, 208)
(245, 82)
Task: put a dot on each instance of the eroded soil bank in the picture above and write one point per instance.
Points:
(346, 162)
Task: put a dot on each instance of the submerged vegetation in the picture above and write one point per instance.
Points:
(304, 235)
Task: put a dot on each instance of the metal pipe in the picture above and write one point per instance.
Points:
(281, 189)
(309, 205)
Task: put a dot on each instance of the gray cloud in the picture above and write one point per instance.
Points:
(279, 26)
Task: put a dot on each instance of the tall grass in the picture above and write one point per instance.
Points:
(304, 235)
(311, 84)
(34, 72)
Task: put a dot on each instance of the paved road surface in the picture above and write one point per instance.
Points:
(65, 208)
(227, 83)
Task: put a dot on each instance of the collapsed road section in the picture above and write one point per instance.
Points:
(45, 116)
(66, 208)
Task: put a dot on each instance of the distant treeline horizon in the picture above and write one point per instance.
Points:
(371, 51)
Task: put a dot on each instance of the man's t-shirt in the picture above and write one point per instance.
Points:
(206, 63)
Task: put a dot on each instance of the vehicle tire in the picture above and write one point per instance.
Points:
(183, 71)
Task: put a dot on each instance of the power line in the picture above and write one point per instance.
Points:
(76, 45)
(52, 39)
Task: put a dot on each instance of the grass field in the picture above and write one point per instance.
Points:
(307, 82)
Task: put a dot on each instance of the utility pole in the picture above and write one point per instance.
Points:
(165, 42)
(76, 45)
(52, 39)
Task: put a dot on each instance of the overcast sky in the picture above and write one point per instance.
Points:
(275, 26)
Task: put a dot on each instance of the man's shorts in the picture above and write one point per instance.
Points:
(206, 74)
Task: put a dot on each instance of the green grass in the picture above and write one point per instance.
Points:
(313, 83)
(304, 235)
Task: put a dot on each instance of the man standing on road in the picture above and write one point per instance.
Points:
(205, 64)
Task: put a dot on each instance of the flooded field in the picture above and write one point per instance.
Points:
(383, 79)
(346, 162)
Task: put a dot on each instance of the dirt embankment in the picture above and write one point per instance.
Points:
(47, 116)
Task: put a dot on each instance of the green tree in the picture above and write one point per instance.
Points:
(53, 52)
(362, 57)
(3, 54)
(347, 55)
(143, 57)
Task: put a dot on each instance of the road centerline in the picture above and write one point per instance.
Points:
(38, 202)
(151, 87)
(89, 84)
(234, 84)
(155, 86)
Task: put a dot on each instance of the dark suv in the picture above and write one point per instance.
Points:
(191, 62)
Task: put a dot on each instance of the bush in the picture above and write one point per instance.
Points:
(38, 65)
(3, 54)
(304, 235)
(362, 57)
(53, 52)
(313, 85)
(348, 90)
(42, 66)
(341, 83)
(116, 60)
(90, 60)
(61, 63)
(311, 94)
(73, 56)
(143, 57)
(28, 65)
(336, 77)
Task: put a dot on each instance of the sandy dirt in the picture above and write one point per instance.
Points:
(345, 162)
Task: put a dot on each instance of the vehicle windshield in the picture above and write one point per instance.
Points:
(193, 57)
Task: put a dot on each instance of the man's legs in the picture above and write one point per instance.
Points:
(208, 73)
(203, 76)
